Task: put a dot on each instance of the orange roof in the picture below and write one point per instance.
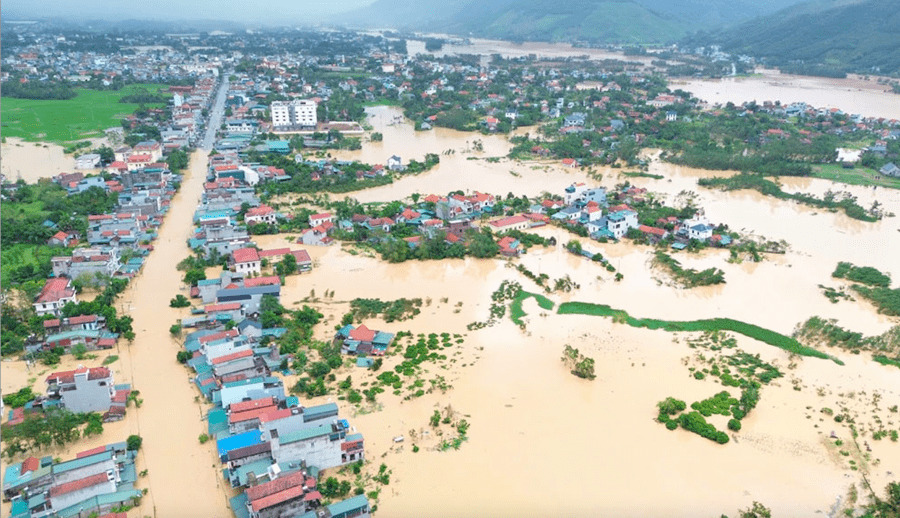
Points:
(76, 485)
(233, 356)
(245, 255)
(256, 413)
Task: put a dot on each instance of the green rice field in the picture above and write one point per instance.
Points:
(61, 121)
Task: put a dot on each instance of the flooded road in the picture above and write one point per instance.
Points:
(181, 474)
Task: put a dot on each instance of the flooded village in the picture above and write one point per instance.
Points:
(349, 291)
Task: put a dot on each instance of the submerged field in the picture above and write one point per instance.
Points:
(82, 117)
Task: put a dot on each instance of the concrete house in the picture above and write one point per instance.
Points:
(318, 446)
(517, 222)
(394, 163)
(261, 214)
(55, 294)
(246, 261)
(83, 389)
(698, 227)
(619, 222)
(87, 262)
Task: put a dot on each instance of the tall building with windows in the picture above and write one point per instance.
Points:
(294, 115)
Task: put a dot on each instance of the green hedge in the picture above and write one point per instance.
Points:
(710, 324)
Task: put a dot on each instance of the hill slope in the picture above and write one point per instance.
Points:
(603, 21)
(824, 36)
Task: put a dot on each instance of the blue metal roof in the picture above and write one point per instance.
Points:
(238, 441)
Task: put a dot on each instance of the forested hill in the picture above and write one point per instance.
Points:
(822, 37)
(599, 21)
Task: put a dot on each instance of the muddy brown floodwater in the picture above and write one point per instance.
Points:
(854, 94)
(538, 430)
(543, 442)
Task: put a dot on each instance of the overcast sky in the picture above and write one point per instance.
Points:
(281, 12)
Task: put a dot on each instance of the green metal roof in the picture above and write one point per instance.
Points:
(306, 433)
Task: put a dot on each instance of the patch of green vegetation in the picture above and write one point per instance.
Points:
(60, 121)
(818, 330)
(581, 365)
(112, 358)
(390, 311)
(884, 360)
(862, 274)
(643, 175)
(834, 295)
(20, 262)
(885, 299)
(690, 278)
(41, 430)
(711, 324)
(757, 182)
(515, 307)
(507, 291)
(856, 176)
(19, 398)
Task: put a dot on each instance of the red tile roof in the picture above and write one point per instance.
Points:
(30, 464)
(93, 373)
(231, 333)
(51, 323)
(256, 413)
(75, 485)
(231, 306)
(55, 289)
(82, 319)
(274, 252)
(261, 281)
(652, 230)
(233, 356)
(61, 236)
(262, 210)
(274, 415)
(506, 222)
(276, 491)
(362, 333)
(243, 406)
(92, 451)
(245, 255)
(302, 256)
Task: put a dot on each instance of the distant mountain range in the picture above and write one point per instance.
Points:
(826, 37)
(599, 21)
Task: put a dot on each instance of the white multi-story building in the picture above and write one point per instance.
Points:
(294, 115)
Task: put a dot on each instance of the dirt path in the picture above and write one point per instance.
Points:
(180, 475)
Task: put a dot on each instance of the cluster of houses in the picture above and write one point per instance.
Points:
(603, 216)
(589, 207)
(96, 481)
(269, 444)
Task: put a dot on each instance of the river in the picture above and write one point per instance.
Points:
(855, 94)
